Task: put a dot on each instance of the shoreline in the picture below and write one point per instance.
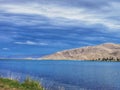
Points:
(58, 60)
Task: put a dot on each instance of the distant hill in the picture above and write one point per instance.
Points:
(100, 52)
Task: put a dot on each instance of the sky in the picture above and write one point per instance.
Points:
(34, 28)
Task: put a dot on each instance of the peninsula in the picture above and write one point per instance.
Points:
(106, 51)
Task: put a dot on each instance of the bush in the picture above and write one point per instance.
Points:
(28, 84)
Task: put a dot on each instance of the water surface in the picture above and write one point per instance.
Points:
(65, 75)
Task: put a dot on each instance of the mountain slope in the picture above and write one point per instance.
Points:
(106, 50)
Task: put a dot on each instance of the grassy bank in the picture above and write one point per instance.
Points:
(28, 84)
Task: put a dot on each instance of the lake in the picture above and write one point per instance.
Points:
(65, 75)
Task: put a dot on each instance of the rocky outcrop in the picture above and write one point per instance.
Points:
(106, 50)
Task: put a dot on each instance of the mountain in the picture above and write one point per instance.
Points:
(99, 52)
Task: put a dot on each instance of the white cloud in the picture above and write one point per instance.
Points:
(31, 43)
(5, 49)
(66, 15)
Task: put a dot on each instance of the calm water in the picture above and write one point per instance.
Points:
(65, 75)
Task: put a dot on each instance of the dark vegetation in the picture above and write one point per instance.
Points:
(108, 59)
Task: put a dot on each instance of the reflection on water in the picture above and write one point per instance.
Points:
(65, 75)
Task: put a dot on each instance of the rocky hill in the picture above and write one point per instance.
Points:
(99, 52)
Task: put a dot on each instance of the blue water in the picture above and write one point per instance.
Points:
(65, 75)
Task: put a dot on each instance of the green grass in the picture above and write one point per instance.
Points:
(28, 84)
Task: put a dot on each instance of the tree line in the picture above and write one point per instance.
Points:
(108, 59)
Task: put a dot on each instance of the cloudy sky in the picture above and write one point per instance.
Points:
(40, 27)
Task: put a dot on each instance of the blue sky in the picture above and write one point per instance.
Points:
(40, 27)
